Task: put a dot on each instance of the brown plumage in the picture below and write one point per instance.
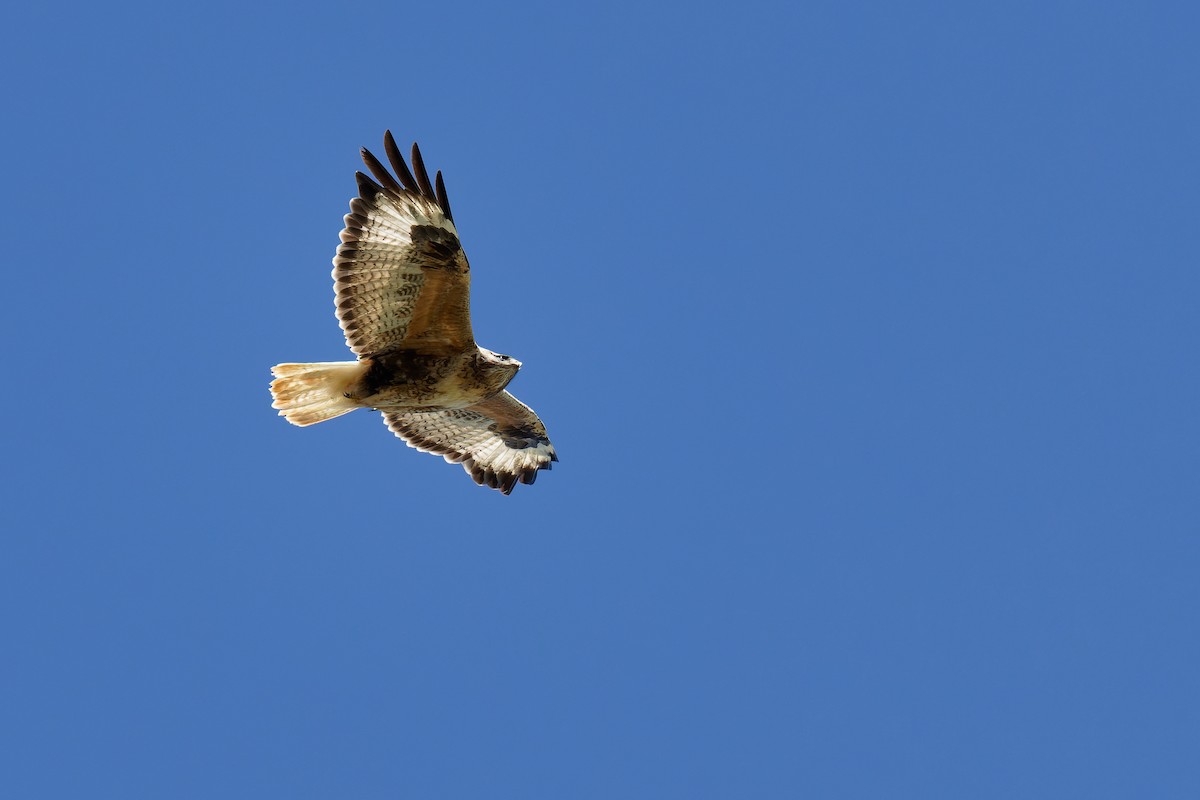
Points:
(402, 292)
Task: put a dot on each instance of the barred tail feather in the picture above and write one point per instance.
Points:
(306, 394)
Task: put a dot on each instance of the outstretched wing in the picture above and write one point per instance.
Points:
(498, 441)
(400, 274)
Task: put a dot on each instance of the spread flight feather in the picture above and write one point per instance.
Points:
(402, 292)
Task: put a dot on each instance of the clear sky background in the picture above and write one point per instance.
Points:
(866, 332)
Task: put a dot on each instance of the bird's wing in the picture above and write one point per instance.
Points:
(400, 275)
(498, 441)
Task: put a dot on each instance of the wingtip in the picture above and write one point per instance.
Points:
(422, 176)
(366, 187)
(443, 199)
(397, 161)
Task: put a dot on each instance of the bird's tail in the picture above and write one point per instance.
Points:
(306, 394)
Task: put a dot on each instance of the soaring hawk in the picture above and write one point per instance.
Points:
(402, 286)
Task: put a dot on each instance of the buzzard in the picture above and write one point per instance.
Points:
(402, 286)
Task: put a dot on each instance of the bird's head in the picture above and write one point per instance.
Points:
(505, 365)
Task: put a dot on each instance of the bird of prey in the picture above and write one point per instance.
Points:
(402, 286)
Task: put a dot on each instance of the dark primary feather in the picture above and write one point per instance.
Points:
(397, 161)
(406, 181)
(366, 187)
(442, 199)
(422, 176)
(380, 172)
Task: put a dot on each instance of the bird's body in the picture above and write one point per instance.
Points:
(402, 284)
(408, 380)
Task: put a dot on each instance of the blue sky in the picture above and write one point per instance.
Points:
(866, 334)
